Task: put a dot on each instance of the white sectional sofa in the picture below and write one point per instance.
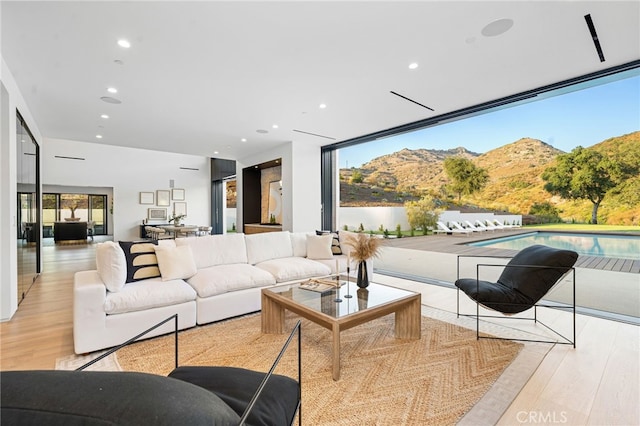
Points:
(202, 279)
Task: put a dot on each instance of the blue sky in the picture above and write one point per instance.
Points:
(584, 117)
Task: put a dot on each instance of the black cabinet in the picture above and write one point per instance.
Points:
(67, 231)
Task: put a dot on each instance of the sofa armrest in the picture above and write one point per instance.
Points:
(89, 296)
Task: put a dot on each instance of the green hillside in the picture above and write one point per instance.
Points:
(515, 182)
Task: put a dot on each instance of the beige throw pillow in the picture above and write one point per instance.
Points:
(319, 247)
(175, 263)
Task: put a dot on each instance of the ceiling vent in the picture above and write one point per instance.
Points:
(410, 100)
(314, 134)
(594, 36)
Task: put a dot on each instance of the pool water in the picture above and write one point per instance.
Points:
(602, 245)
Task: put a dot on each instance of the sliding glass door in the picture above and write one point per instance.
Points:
(27, 218)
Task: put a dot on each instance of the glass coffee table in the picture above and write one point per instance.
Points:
(324, 309)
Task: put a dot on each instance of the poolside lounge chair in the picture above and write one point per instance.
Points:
(525, 280)
(498, 223)
(488, 227)
(445, 229)
(473, 227)
(459, 227)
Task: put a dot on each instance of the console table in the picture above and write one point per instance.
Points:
(67, 231)
(256, 228)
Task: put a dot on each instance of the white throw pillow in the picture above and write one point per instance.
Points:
(345, 236)
(319, 246)
(111, 265)
(175, 262)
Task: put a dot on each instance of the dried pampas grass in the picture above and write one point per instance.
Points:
(364, 246)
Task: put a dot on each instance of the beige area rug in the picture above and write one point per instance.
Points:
(384, 381)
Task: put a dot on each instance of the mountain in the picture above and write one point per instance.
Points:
(515, 182)
(515, 170)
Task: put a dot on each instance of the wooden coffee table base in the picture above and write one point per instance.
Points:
(407, 319)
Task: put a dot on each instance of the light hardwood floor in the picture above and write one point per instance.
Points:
(596, 384)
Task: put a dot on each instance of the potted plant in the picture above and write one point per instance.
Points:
(177, 219)
(364, 247)
(73, 217)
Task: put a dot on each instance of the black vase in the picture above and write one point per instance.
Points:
(363, 276)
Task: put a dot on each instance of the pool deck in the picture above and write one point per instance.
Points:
(456, 244)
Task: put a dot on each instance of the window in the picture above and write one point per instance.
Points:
(477, 120)
(69, 207)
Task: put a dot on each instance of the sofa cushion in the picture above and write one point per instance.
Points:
(147, 294)
(299, 243)
(214, 250)
(225, 278)
(111, 265)
(268, 245)
(175, 262)
(107, 398)
(142, 262)
(319, 246)
(294, 268)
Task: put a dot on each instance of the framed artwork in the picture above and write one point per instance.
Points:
(157, 214)
(179, 208)
(162, 197)
(146, 198)
(177, 194)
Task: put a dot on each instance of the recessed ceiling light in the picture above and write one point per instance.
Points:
(243, 140)
(497, 27)
(98, 136)
(215, 152)
(322, 106)
(112, 90)
(275, 126)
(110, 100)
(105, 116)
(124, 43)
(413, 66)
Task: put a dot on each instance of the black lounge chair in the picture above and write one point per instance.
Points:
(189, 395)
(525, 280)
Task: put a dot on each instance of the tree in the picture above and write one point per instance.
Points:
(467, 177)
(583, 174)
(546, 212)
(356, 176)
(422, 213)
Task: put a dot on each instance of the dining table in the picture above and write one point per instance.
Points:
(182, 229)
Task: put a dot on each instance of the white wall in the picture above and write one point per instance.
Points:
(10, 100)
(142, 171)
(305, 178)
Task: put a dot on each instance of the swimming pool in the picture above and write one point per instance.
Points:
(602, 245)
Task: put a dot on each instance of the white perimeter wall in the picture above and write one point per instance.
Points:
(389, 217)
(372, 217)
(130, 171)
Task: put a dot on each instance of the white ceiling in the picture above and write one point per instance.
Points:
(200, 76)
